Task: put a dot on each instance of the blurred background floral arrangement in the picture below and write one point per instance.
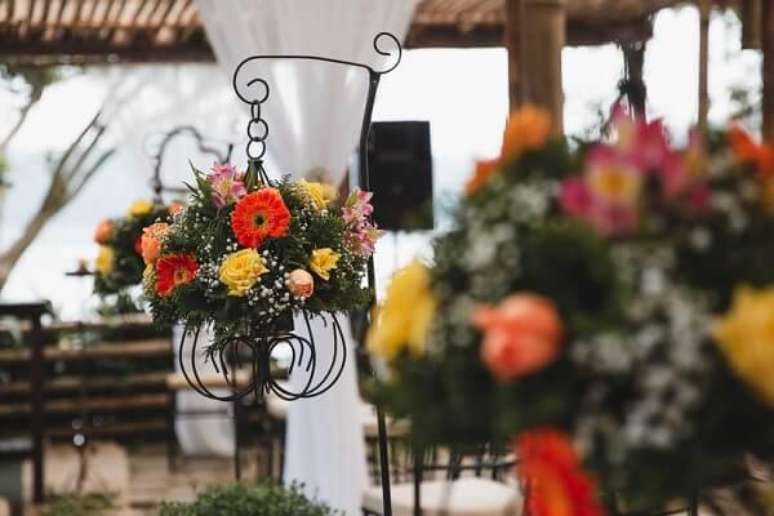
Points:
(604, 308)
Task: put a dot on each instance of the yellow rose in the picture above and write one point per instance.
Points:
(403, 320)
(745, 335)
(323, 261)
(240, 270)
(319, 194)
(140, 208)
(105, 260)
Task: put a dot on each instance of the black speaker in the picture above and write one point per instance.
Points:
(401, 168)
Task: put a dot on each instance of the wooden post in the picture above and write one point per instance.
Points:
(543, 26)
(705, 9)
(513, 44)
(767, 37)
(752, 12)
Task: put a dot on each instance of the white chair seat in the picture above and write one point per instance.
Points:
(463, 497)
(278, 409)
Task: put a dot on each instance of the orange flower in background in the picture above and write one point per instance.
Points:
(521, 335)
(175, 207)
(742, 145)
(150, 241)
(555, 482)
(174, 270)
(749, 152)
(103, 232)
(258, 216)
(138, 245)
(527, 129)
(484, 170)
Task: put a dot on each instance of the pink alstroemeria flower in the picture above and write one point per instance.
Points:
(227, 184)
(358, 206)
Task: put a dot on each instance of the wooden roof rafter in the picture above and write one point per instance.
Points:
(94, 31)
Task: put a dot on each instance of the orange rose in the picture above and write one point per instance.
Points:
(522, 335)
(301, 283)
(103, 232)
(150, 241)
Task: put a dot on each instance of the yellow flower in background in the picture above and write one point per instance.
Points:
(323, 261)
(240, 270)
(527, 129)
(403, 320)
(745, 335)
(320, 194)
(105, 260)
(140, 208)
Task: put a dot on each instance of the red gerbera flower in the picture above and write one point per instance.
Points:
(174, 270)
(258, 216)
(555, 482)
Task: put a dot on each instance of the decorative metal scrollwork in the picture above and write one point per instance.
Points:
(251, 355)
(246, 362)
(155, 146)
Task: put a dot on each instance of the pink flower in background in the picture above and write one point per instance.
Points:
(227, 184)
(608, 195)
(361, 234)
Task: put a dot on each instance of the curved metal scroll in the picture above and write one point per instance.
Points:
(245, 363)
(255, 91)
(157, 155)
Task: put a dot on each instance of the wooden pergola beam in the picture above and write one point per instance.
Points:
(513, 44)
(543, 26)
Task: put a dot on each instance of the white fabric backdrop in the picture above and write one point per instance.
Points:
(314, 115)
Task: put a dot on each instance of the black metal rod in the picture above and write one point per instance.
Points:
(38, 412)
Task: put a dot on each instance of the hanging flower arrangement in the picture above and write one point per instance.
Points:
(246, 253)
(618, 294)
(119, 263)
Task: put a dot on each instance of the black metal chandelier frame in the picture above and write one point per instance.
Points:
(256, 350)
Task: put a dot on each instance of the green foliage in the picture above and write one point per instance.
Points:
(261, 499)
(79, 505)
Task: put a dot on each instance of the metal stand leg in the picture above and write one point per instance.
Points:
(384, 462)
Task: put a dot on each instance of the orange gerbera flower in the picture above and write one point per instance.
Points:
(174, 270)
(555, 482)
(258, 216)
(484, 170)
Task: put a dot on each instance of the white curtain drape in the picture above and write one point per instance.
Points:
(314, 115)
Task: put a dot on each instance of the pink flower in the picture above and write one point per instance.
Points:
(227, 184)
(608, 196)
(362, 239)
(361, 234)
(358, 206)
(574, 197)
